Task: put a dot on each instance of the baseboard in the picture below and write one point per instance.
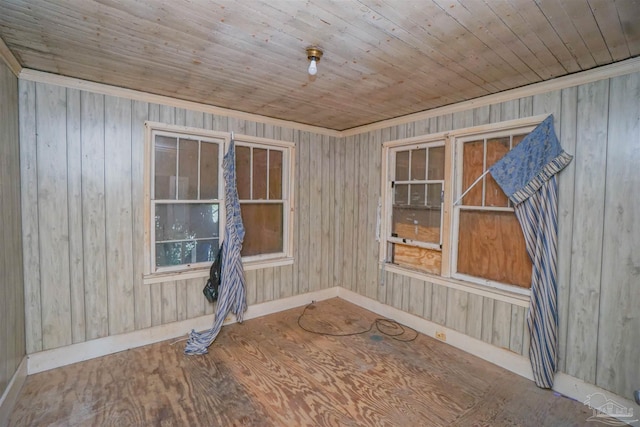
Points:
(10, 395)
(564, 384)
(55, 358)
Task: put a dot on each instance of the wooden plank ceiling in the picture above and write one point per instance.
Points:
(382, 58)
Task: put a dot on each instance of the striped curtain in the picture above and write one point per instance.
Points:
(231, 297)
(527, 175)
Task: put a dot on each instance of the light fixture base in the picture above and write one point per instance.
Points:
(314, 52)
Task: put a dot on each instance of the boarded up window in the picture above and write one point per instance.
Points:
(491, 245)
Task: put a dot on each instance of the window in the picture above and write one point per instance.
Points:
(475, 239)
(263, 202)
(185, 197)
(490, 243)
(417, 186)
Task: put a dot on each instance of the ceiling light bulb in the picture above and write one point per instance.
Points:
(313, 69)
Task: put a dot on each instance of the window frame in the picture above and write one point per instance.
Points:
(450, 213)
(152, 274)
(288, 158)
(458, 144)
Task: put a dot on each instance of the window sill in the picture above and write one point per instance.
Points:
(520, 298)
(197, 273)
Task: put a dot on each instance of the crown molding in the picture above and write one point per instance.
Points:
(9, 59)
(604, 72)
(105, 89)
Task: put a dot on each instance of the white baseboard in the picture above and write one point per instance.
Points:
(564, 384)
(10, 395)
(55, 358)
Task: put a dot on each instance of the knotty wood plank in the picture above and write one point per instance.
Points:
(566, 183)
(473, 327)
(267, 284)
(169, 292)
(303, 169)
(29, 207)
(181, 299)
(94, 215)
(53, 220)
(374, 197)
(416, 296)
(324, 189)
(74, 209)
(586, 259)
(457, 306)
(361, 198)
(501, 333)
(316, 258)
(439, 304)
(350, 215)
(141, 292)
(269, 372)
(487, 319)
(619, 323)
(196, 301)
(119, 227)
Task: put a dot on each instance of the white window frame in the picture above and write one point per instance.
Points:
(156, 275)
(288, 157)
(458, 143)
(388, 166)
(453, 141)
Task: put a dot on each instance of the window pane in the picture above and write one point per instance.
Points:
(275, 174)
(418, 164)
(401, 194)
(472, 169)
(263, 225)
(186, 221)
(496, 149)
(436, 163)
(417, 194)
(402, 166)
(209, 170)
(243, 172)
(186, 252)
(188, 169)
(434, 195)
(491, 246)
(259, 174)
(419, 224)
(165, 154)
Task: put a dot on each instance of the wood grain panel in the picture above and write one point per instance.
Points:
(315, 213)
(12, 293)
(566, 183)
(53, 221)
(29, 207)
(361, 198)
(139, 113)
(428, 260)
(619, 321)
(74, 193)
(350, 212)
(586, 259)
(118, 225)
(457, 309)
(304, 215)
(324, 189)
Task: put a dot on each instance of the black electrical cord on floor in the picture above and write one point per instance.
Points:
(393, 328)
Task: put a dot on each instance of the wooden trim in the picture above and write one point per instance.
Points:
(9, 59)
(104, 89)
(607, 71)
(521, 300)
(10, 395)
(62, 356)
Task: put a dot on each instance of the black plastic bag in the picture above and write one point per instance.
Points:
(210, 290)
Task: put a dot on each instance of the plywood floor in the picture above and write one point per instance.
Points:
(269, 372)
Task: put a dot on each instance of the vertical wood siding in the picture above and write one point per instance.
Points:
(82, 162)
(599, 261)
(12, 331)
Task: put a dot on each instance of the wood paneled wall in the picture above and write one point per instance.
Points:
(82, 162)
(599, 230)
(12, 338)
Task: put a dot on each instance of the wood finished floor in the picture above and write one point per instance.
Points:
(269, 372)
